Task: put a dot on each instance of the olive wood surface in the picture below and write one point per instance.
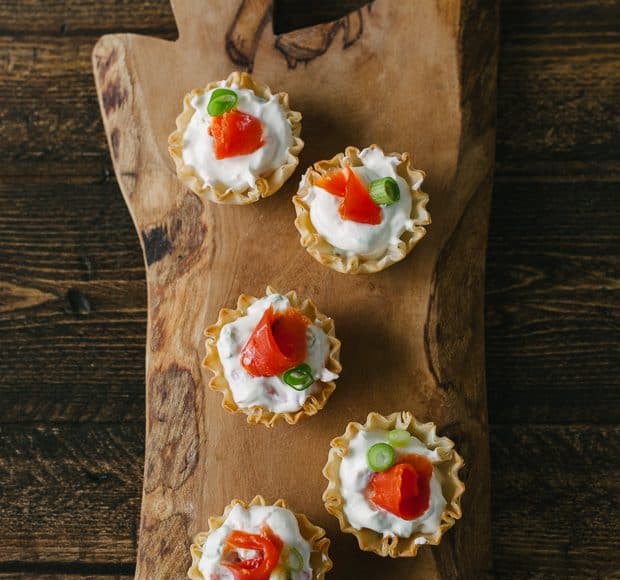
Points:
(411, 76)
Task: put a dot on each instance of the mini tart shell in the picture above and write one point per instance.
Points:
(255, 414)
(452, 487)
(321, 250)
(314, 535)
(267, 184)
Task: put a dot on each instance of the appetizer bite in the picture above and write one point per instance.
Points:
(235, 141)
(260, 542)
(393, 483)
(361, 212)
(273, 357)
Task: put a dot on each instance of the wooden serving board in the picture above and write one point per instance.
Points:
(417, 76)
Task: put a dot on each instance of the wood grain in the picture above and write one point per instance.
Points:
(550, 286)
(85, 18)
(538, 513)
(66, 572)
(553, 303)
(573, 509)
(57, 172)
(556, 111)
(209, 252)
(67, 482)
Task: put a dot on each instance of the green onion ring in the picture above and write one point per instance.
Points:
(380, 457)
(399, 437)
(299, 377)
(221, 101)
(384, 191)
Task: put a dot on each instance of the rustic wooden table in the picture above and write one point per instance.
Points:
(72, 296)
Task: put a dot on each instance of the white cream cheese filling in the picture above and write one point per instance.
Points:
(355, 477)
(282, 523)
(269, 392)
(239, 172)
(353, 238)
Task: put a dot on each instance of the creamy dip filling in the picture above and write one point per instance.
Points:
(281, 521)
(353, 238)
(355, 476)
(269, 392)
(241, 171)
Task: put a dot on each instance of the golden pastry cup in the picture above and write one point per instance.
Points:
(322, 251)
(267, 184)
(452, 487)
(256, 414)
(314, 535)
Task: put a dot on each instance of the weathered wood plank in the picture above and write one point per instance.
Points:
(64, 571)
(49, 107)
(58, 233)
(556, 496)
(557, 105)
(72, 495)
(86, 17)
(72, 322)
(552, 303)
(522, 19)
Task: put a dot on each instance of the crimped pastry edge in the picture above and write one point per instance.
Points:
(255, 414)
(266, 185)
(452, 486)
(322, 251)
(314, 535)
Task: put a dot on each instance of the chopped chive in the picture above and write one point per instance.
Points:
(221, 101)
(399, 437)
(384, 191)
(381, 456)
(299, 377)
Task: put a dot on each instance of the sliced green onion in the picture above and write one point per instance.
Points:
(222, 101)
(299, 377)
(384, 191)
(381, 456)
(295, 559)
(399, 437)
